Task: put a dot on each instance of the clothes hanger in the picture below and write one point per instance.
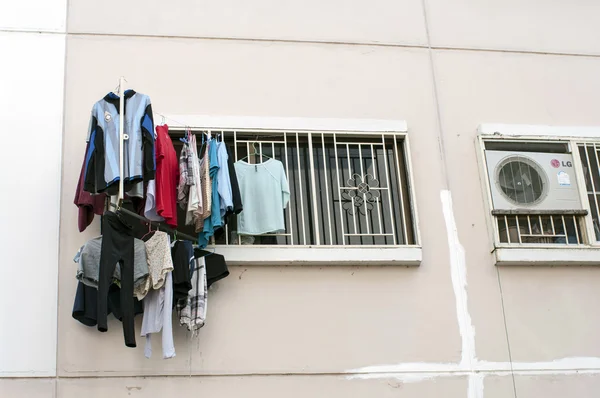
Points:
(117, 90)
(203, 143)
(149, 231)
(186, 137)
(255, 152)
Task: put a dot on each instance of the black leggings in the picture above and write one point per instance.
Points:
(117, 246)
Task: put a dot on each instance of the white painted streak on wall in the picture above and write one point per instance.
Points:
(458, 272)
(425, 370)
(408, 367)
(476, 386)
(408, 377)
(558, 365)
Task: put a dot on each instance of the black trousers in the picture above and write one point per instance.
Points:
(117, 246)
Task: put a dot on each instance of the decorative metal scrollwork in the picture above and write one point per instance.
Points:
(361, 194)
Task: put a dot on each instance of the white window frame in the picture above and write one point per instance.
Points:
(406, 255)
(541, 254)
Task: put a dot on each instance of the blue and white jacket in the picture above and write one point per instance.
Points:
(102, 157)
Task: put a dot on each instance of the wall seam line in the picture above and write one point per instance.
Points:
(300, 41)
(510, 360)
(60, 223)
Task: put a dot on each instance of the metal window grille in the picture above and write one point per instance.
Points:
(345, 188)
(590, 159)
(540, 229)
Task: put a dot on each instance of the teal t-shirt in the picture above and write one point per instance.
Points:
(265, 193)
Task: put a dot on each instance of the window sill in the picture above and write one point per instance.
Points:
(321, 255)
(582, 255)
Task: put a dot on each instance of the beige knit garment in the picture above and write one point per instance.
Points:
(158, 251)
(194, 205)
(206, 192)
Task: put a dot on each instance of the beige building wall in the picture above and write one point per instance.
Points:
(457, 325)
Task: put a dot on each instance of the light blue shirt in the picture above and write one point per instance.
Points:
(224, 185)
(265, 193)
(214, 221)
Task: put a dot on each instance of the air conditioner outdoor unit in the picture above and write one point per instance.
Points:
(532, 181)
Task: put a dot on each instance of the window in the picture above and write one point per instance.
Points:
(534, 193)
(346, 188)
(352, 198)
(588, 153)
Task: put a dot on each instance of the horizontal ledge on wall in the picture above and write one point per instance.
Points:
(320, 255)
(282, 123)
(531, 212)
(516, 130)
(547, 256)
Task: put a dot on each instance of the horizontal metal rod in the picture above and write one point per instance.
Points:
(261, 142)
(159, 225)
(363, 143)
(267, 235)
(368, 234)
(370, 188)
(543, 236)
(254, 131)
(295, 247)
(526, 212)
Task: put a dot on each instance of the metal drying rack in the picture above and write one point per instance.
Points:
(121, 194)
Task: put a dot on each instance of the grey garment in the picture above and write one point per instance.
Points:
(88, 263)
(137, 190)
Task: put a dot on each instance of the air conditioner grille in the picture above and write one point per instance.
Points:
(521, 180)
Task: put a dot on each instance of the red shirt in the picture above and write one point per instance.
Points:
(167, 176)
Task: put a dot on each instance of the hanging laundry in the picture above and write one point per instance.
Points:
(117, 246)
(182, 254)
(158, 301)
(195, 203)
(186, 172)
(158, 251)
(235, 187)
(216, 267)
(85, 305)
(87, 204)
(214, 221)
(224, 180)
(201, 186)
(158, 315)
(88, 263)
(167, 176)
(206, 190)
(102, 157)
(192, 312)
(236, 198)
(150, 205)
(265, 193)
(150, 202)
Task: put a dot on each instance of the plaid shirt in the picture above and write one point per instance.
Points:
(192, 312)
(186, 174)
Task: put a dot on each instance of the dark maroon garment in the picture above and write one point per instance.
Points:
(87, 203)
